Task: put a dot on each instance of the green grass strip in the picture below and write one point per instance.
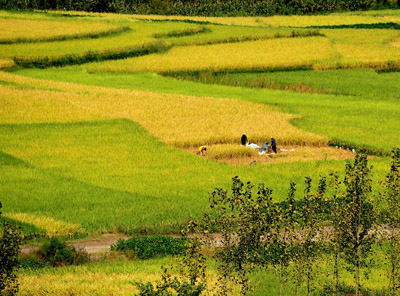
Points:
(182, 33)
(89, 57)
(90, 35)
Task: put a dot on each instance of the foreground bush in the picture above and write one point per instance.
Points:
(151, 246)
(56, 253)
(10, 240)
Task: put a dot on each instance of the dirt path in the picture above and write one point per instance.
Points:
(93, 246)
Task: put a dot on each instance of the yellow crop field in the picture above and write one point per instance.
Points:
(140, 33)
(280, 21)
(236, 154)
(183, 121)
(6, 63)
(51, 226)
(115, 277)
(14, 29)
(24, 105)
(83, 283)
(245, 55)
(359, 48)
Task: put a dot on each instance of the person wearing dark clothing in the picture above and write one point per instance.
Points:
(244, 139)
(273, 144)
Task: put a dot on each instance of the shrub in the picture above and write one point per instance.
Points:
(56, 253)
(10, 240)
(151, 246)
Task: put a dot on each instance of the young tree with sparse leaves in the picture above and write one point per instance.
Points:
(391, 197)
(357, 216)
(307, 246)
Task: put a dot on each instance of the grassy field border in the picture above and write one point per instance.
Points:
(90, 56)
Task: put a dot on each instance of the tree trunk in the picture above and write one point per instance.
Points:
(308, 279)
(280, 281)
(357, 275)
(336, 272)
(393, 270)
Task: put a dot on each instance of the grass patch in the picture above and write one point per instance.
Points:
(112, 176)
(357, 82)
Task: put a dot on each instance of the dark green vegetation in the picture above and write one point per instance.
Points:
(151, 246)
(203, 7)
(56, 253)
(10, 240)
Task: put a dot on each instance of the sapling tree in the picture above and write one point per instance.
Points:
(192, 279)
(357, 216)
(308, 246)
(335, 239)
(392, 219)
(245, 221)
(283, 237)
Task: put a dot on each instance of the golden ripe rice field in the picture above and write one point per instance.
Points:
(178, 120)
(275, 53)
(31, 30)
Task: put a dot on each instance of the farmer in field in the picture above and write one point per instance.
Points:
(202, 150)
(244, 139)
(273, 144)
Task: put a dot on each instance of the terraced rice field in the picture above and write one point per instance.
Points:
(108, 141)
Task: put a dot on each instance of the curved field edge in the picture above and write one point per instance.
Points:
(328, 115)
(183, 121)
